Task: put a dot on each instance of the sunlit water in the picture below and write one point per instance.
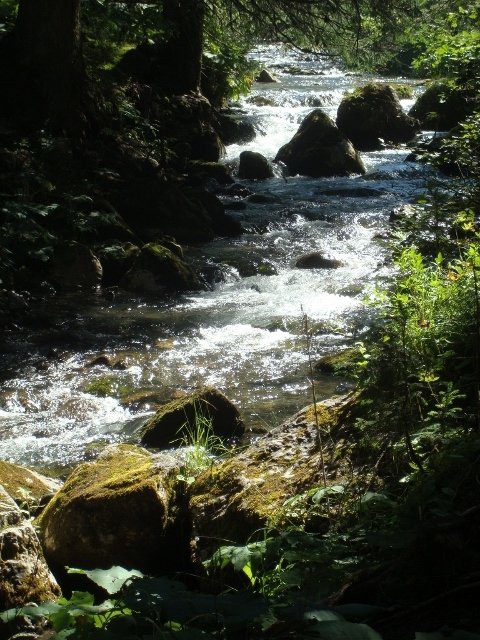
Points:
(245, 336)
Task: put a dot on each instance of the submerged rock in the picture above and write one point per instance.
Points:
(320, 149)
(373, 114)
(24, 574)
(317, 260)
(176, 418)
(115, 511)
(254, 166)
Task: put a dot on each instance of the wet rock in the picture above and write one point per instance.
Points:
(115, 511)
(157, 269)
(236, 497)
(262, 101)
(235, 130)
(265, 76)
(373, 114)
(173, 420)
(74, 265)
(25, 486)
(109, 363)
(316, 260)
(320, 149)
(116, 260)
(204, 171)
(354, 192)
(24, 574)
(254, 166)
(442, 106)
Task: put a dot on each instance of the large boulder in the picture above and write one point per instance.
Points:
(319, 149)
(157, 269)
(254, 166)
(74, 265)
(25, 486)
(24, 574)
(175, 419)
(115, 511)
(154, 209)
(442, 106)
(247, 492)
(233, 128)
(372, 114)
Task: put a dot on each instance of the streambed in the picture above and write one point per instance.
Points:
(245, 335)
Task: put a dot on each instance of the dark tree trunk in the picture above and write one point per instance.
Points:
(42, 65)
(184, 47)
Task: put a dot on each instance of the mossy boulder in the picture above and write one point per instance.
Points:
(74, 265)
(189, 214)
(340, 363)
(25, 486)
(116, 510)
(236, 497)
(157, 269)
(116, 260)
(174, 419)
(372, 114)
(233, 128)
(24, 574)
(202, 172)
(442, 106)
(320, 149)
(254, 166)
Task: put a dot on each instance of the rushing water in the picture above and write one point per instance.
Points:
(245, 336)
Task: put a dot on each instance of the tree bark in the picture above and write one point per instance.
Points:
(42, 64)
(184, 47)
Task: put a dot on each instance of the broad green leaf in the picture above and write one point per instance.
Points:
(112, 580)
(321, 615)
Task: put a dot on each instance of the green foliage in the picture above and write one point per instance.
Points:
(201, 445)
(452, 46)
(462, 150)
(142, 606)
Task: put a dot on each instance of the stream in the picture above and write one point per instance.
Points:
(245, 336)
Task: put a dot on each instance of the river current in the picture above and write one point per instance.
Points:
(245, 336)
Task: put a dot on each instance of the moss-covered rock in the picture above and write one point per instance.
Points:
(25, 486)
(233, 499)
(339, 363)
(320, 149)
(205, 171)
(173, 420)
(442, 106)
(115, 511)
(116, 260)
(373, 114)
(75, 265)
(24, 574)
(156, 269)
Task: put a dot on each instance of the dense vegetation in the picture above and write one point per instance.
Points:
(413, 518)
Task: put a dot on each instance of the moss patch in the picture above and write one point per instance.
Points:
(25, 486)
